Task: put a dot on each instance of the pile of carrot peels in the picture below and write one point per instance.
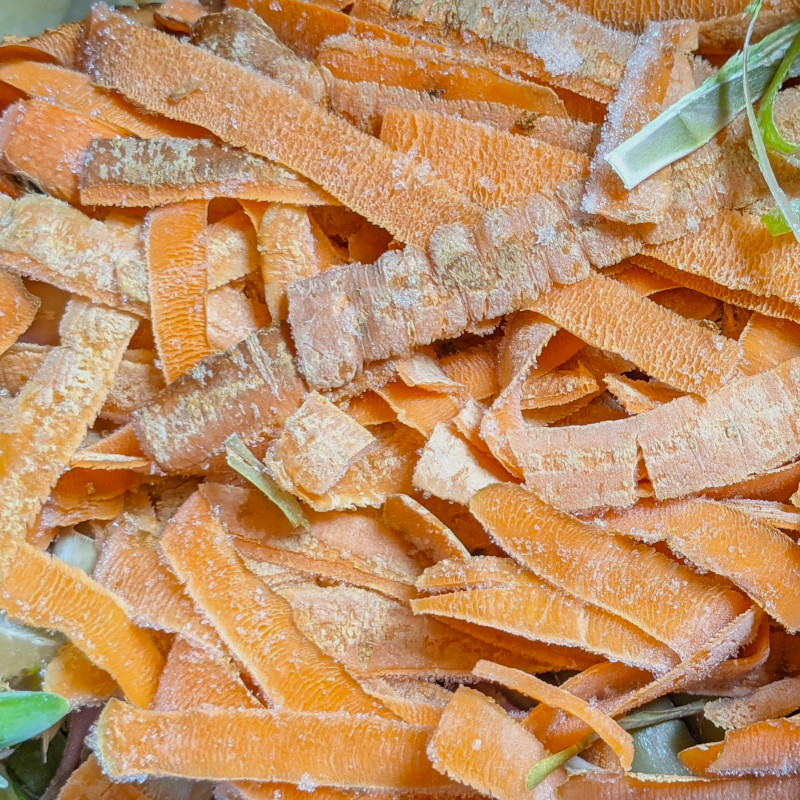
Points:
(417, 455)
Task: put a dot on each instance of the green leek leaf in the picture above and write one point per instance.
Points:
(696, 118)
(251, 469)
(24, 715)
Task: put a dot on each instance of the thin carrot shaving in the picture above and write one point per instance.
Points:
(376, 636)
(177, 283)
(59, 139)
(371, 752)
(179, 15)
(132, 567)
(417, 407)
(491, 167)
(246, 40)
(425, 531)
(18, 308)
(543, 613)
(58, 46)
(777, 699)
(414, 701)
(423, 68)
(133, 172)
(558, 387)
(47, 240)
(73, 676)
(277, 135)
(43, 591)
(75, 91)
(620, 740)
(317, 446)
(667, 600)
(771, 306)
(725, 540)
(600, 785)
(37, 446)
(761, 748)
(636, 396)
(601, 685)
(477, 743)
(252, 620)
(365, 105)
(196, 677)
(693, 359)
(658, 73)
(768, 342)
(89, 780)
(452, 469)
(292, 247)
(358, 540)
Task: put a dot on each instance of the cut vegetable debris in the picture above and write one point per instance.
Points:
(47, 240)
(135, 172)
(177, 283)
(550, 695)
(478, 744)
(252, 620)
(370, 752)
(663, 598)
(72, 382)
(43, 591)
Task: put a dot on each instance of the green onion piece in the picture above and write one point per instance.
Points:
(251, 469)
(26, 714)
(766, 118)
(776, 223)
(643, 719)
(696, 118)
(539, 771)
(760, 149)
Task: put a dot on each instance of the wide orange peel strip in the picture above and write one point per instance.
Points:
(771, 747)
(723, 539)
(18, 307)
(45, 592)
(355, 168)
(666, 599)
(178, 281)
(603, 725)
(478, 744)
(362, 751)
(47, 420)
(254, 622)
(73, 676)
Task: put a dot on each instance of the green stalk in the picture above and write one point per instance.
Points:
(759, 146)
(251, 469)
(766, 117)
(696, 118)
(26, 714)
(539, 771)
(643, 719)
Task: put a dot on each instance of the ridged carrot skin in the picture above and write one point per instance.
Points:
(45, 592)
(363, 751)
(390, 191)
(603, 725)
(37, 438)
(667, 600)
(478, 744)
(177, 283)
(47, 144)
(771, 747)
(253, 621)
(75, 677)
(18, 307)
(73, 90)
